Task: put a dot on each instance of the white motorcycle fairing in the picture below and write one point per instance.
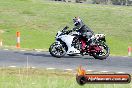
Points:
(68, 40)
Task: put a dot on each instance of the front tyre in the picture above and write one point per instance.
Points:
(104, 53)
(57, 50)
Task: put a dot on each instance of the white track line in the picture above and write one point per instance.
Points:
(33, 67)
(12, 66)
(125, 56)
(68, 69)
(38, 51)
(104, 71)
(120, 72)
(89, 70)
(50, 68)
(22, 50)
(6, 49)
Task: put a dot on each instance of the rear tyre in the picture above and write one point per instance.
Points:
(104, 53)
(57, 50)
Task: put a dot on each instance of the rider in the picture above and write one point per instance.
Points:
(84, 30)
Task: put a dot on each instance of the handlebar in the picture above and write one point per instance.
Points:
(68, 31)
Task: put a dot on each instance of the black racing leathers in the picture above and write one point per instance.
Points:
(84, 30)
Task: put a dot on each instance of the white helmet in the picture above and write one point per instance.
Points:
(77, 21)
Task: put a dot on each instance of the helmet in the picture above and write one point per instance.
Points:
(77, 21)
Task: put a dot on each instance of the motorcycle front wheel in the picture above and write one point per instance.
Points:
(57, 50)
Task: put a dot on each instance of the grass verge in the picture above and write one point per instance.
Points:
(41, 78)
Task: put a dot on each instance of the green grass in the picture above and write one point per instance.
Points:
(41, 78)
(39, 20)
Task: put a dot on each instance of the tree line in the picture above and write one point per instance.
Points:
(106, 2)
(114, 2)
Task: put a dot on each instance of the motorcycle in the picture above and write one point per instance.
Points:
(72, 43)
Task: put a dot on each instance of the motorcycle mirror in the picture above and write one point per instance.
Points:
(66, 27)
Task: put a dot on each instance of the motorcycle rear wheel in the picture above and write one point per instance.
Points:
(103, 55)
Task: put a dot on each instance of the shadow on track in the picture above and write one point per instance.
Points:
(90, 58)
(48, 55)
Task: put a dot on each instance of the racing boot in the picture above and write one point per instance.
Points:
(90, 41)
(82, 53)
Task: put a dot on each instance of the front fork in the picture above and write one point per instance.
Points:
(57, 42)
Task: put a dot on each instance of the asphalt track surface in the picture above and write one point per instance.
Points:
(9, 58)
